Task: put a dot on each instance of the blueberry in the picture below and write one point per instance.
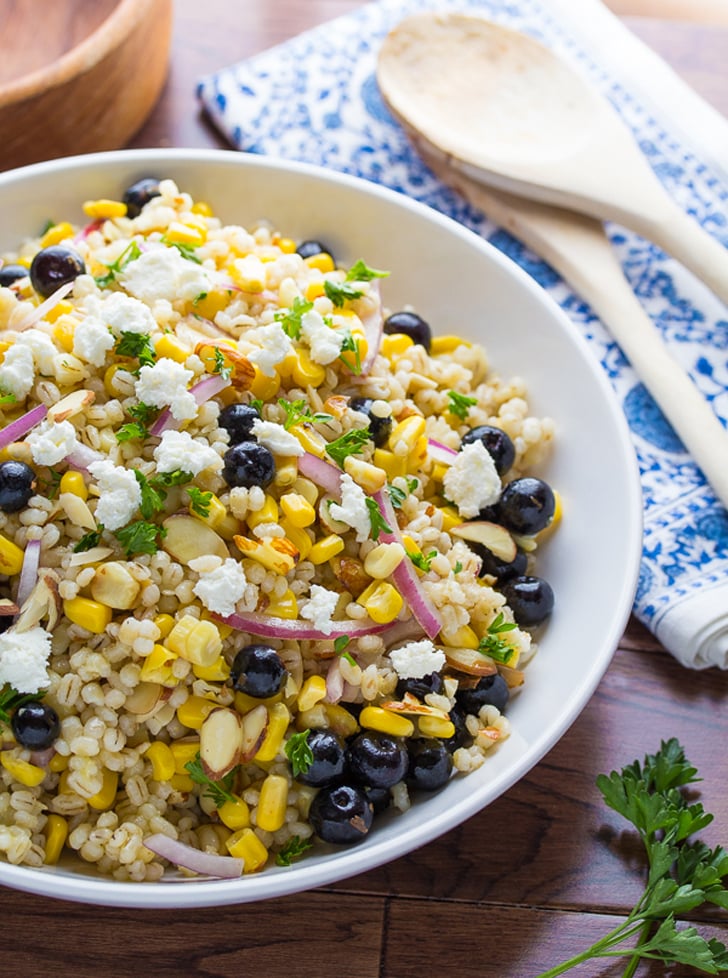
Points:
(11, 273)
(496, 443)
(307, 249)
(461, 735)
(531, 599)
(139, 194)
(526, 506)
(411, 325)
(379, 798)
(17, 482)
(490, 691)
(430, 764)
(35, 725)
(258, 671)
(341, 814)
(238, 421)
(5, 622)
(379, 427)
(495, 567)
(377, 759)
(53, 267)
(248, 464)
(329, 759)
(420, 687)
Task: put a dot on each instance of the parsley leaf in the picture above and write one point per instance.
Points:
(293, 849)
(290, 319)
(140, 537)
(377, 520)
(340, 645)
(361, 272)
(137, 345)
(11, 699)
(299, 753)
(297, 411)
(350, 345)
(89, 540)
(142, 414)
(340, 292)
(398, 495)
(457, 568)
(152, 499)
(186, 250)
(222, 366)
(422, 561)
(460, 404)
(129, 254)
(6, 398)
(200, 501)
(220, 791)
(350, 443)
(493, 645)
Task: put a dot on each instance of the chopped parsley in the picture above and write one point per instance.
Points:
(50, 487)
(257, 404)
(350, 345)
(137, 345)
(460, 404)
(293, 849)
(200, 501)
(493, 645)
(222, 366)
(398, 495)
(297, 411)
(361, 272)
(142, 414)
(422, 561)
(290, 319)
(457, 568)
(350, 443)
(186, 250)
(299, 753)
(7, 399)
(220, 791)
(340, 645)
(11, 699)
(340, 292)
(129, 254)
(140, 537)
(89, 540)
(152, 496)
(377, 520)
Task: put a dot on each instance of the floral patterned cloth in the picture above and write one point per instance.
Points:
(315, 99)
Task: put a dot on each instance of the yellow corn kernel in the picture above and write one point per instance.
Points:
(450, 518)
(417, 457)
(218, 518)
(436, 727)
(375, 718)
(298, 509)
(311, 693)
(109, 375)
(314, 290)
(264, 387)
(268, 513)
(446, 344)
(340, 720)
(197, 641)
(235, 814)
(383, 560)
(438, 471)
(460, 638)
(224, 630)
(103, 209)
(306, 372)
(165, 624)
(193, 712)
(74, 483)
(11, 557)
(394, 345)
(57, 233)
(218, 672)
(105, 797)
(244, 703)
(179, 233)
(211, 303)
(172, 348)
(22, 771)
(405, 434)
(202, 207)
(322, 261)
(382, 601)
(248, 274)
(310, 440)
(183, 752)
(287, 245)
(555, 519)
(58, 763)
(326, 548)
(284, 369)
(309, 490)
(284, 607)
(182, 783)
(298, 537)
(56, 833)
(246, 845)
(370, 477)
(157, 667)
(89, 614)
(271, 810)
(162, 760)
(278, 719)
(286, 473)
(393, 465)
(61, 311)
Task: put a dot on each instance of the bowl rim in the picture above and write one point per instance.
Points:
(331, 867)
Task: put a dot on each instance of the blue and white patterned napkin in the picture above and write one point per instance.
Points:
(315, 99)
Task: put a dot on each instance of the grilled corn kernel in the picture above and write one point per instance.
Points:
(392, 464)
(555, 519)
(246, 845)
(312, 692)
(184, 751)
(279, 718)
(405, 435)
(268, 513)
(264, 387)
(103, 209)
(326, 548)
(446, 344)
(271, 810)
(436, 727)
(310, 440)
(450, 518)
(340, 720)
(244, 703)
(284, 607)
(306, 372)
(56, 832)
(105, 797)
(370, 477)
(22, 771)
(235, 814)
(172, 348)
(157, 667)
(298, 509)
(394, 345)
(218, 518)
(57, 233)
(109, 378)
(190, 234)
(375, 718)
(309, 490)
(382, 601)
(460, 638)
(314, 290)
(197, 641)
(182, 783)
(89, 614)
(74, 483)
(193, 712)
(161, 758)
(218, 672)
(11, 557)
(64, 328)
(383, 560)
(322, 261)
(286, 473)
(165, 624)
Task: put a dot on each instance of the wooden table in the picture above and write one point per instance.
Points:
(529, 881)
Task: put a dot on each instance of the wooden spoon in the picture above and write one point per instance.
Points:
(509, 113)
(578, 248)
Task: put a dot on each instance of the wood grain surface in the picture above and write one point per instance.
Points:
(533, 878)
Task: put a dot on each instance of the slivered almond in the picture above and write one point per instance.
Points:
(77, 510)
(221, 742)
(8, 607)
(92, 556)
(409, 705)
(71, 404)
(470, 661)
(513, 677)
(492, 536)
(146, 698)
(254, 729)
(189, 538)
(43, 602)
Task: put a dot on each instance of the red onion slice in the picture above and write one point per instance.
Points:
(28, 572)
(204, 863)
(82, 456)
(334, 682)
(39, 312)
(440, 453)
(21, 426)
(323, 473)
(202, 391)
(266, 626)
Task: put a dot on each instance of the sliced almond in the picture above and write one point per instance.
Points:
(254, 729)
(277, 553)
(77, 510)
(114, 585)
(8, 607)
(189, 538)
(409, 705)
(43, 602)
(492, 536)
(221, 742)
(469, 661)
(145, 698)
(71, 404)
(513, 677)
(93, 556)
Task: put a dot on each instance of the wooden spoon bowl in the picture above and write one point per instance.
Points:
(78, 76)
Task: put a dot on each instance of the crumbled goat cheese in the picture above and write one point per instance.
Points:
(51, 442)
(353, 509)
(272, 346)
(221, 589)
(123, 314)
(417, 659)
(92, 340)
(324, 342)
(42, 348)
(17, 372)
(120, 495)
(23, 659)
(179, 451)
(165, 384)
(162, 273)
(319, 608)
(472, 481)
(276, 439)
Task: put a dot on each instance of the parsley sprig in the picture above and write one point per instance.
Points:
(361, 272)
(140, 537)
(137, 345)
(297, 412)
(89, 540)
(340, 648)
(377, 520)
(290, 319)
(422, 561)
(129, 254)
(683, 874)
(293, 849)
(200, 501)
(350, 443)
(460, 404)
(220, 791)
(138, 428)
(299, 753)
(493, 645)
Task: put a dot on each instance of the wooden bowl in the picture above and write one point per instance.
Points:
(77, 76)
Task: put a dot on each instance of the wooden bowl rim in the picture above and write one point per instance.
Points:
(92, 50)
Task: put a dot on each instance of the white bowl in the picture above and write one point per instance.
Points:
(466, 286)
